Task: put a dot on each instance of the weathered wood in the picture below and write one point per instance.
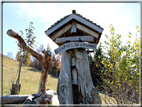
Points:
(73, 28)
(85, 84)
(89, 24)
(74, 76)
(73, 61)
(75, 39)
(73, 45)
(13, 99)
(33, 99)
(76, 17)
(45, 60)
(24, 45)
(19, 70)
(64, 88)
(49, 31)
(82, 90)
(29, 100)
(15, 89)
(84, 29)
(60, 32)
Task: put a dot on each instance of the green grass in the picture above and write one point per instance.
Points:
(29, 78)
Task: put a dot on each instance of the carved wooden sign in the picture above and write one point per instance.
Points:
(73, 45)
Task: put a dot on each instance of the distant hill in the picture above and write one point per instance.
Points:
(29, 78)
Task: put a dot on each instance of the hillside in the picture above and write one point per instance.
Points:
(29, 78)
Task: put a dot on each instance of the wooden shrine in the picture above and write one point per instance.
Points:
(74, 34)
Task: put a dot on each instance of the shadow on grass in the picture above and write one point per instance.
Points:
(53, 76)
(34, 70)
(31, 69)
(23, 65)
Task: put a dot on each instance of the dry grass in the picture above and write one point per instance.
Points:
(29, 78)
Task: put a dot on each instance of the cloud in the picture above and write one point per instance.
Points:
(119, 14)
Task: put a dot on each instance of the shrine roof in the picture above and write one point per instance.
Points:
(70, 17)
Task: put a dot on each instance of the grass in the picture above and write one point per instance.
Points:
(29, 78)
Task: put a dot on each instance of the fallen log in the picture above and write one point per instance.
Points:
(27, 99)
(13, 99)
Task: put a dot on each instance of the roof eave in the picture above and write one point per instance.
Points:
(76, 17)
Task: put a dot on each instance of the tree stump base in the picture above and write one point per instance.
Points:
(15, 89)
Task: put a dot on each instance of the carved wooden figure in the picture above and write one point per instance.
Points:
(74, 34)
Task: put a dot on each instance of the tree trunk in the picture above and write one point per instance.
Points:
(16, 87)
(75, 84)
(64, 88)
(20, 64)
(45, 60)
(89, 94)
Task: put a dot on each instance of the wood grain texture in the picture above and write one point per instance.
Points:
(81, 89)
(73, 45)
(86, 30)
(85, 84)
(75, 39)
(13, 99)
(60, 32)
(45, 60)
(64, 88)
(73, 28)
(76, 17)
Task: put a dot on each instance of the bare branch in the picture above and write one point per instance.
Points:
(24, 45)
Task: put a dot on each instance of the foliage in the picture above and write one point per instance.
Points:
(29, 79)
(55, 65)
(35, 62)
(96, 68)
(30, 40)
(120, 70)
(18, 56)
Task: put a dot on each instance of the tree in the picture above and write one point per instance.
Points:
(24, 56)
(17, 56)
(41, 97)
(30, 40)
(120, 70)
(97, 67)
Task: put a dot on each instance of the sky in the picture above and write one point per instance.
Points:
(123, 16)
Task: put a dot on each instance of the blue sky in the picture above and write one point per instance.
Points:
(17, 16)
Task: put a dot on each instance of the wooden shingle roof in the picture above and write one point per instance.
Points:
(77, 17)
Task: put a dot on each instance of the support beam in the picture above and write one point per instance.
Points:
(75, 39)
(60, 32)
(84, 29)
(73, 28)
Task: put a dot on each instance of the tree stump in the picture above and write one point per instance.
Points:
(75, 84)
(15, 89)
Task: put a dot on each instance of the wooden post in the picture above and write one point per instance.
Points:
(64, 88)
(81, 89)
